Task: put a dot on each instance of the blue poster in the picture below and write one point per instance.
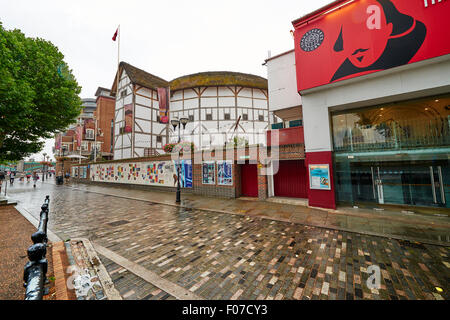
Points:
(225, 173)
(185, 173)
(208, 173)
(319, 176)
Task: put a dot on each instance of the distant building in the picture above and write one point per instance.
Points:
(104, 115)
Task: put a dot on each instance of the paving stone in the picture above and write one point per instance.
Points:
(242, 257)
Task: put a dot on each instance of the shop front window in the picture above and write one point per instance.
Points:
(395, 154)
(411, 124)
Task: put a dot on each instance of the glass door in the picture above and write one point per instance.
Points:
(416, 185)
(438, 185)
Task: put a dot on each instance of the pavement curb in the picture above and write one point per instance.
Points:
(103, 275)
(60, 264)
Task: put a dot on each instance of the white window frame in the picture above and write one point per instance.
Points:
(90, 134)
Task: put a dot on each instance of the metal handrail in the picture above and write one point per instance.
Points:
(34, 275)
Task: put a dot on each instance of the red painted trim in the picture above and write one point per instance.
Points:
(294, 135)
(321, 198)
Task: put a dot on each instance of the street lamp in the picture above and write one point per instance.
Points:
(46, 171)
(63, 152)
(43, 167)
(176, 123)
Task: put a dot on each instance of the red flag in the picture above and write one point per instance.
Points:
(115, 35)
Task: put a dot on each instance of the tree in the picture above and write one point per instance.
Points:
(38, 94)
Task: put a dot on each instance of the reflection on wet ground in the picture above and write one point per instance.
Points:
(224, 256)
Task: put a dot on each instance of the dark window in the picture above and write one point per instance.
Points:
(245, 117)
(276, 126)
(295, 123)
(209, 116)
(158, 138)
(191, 118)
(227, 116)
(123, 93)
(261, 117)
(158, 119)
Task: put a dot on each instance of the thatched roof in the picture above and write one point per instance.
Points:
(139, 77)
(203, 79)
(218, 78)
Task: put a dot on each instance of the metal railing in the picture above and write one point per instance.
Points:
(34, 275)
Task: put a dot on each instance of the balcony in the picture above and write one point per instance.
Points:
(285, 136)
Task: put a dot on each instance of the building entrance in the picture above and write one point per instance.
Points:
(424, 184)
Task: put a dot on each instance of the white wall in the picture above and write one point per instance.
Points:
(281, 74)
(218, 101)
(412, 81)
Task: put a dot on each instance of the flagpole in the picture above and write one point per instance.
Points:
(117, 86)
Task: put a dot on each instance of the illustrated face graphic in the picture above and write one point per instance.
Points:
(366, 36)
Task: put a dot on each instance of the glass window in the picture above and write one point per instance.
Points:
(394, 154)
(403, 125)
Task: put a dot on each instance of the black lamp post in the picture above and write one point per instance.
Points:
(43, 168)
(63, 154)
(176, 123)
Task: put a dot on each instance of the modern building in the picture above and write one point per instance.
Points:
(219, 106)
(289, 177)
(375, 88)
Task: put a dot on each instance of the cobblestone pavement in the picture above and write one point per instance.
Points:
(224, 256)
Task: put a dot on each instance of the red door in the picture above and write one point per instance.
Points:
(249, 180)
(290, 181)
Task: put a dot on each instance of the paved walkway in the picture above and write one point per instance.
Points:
(218, 255)
(406, 226)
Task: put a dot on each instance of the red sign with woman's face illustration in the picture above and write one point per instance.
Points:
(366, 36)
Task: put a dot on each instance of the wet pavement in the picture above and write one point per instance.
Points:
(230, 256)
(432, 229)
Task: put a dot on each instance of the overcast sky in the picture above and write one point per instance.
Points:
(166, 38)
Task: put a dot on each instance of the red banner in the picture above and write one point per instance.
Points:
(58, 141)
(128, 118)
(356, 38)
(79, 135)
(163, 95)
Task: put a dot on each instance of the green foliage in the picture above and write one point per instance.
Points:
(38, 94)
(237, 142)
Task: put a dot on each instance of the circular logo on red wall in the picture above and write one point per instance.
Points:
(312, 40)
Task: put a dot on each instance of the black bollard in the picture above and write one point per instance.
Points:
(35, 272)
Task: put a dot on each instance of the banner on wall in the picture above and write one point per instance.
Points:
(319, 177)
(58, 141)
(225, 173)
(79, 135)
(128, 118)
(164, 98)
(367, 36)
(208, 173)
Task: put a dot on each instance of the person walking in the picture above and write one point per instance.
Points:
(35, 177)
(2, 177)
(12, 175)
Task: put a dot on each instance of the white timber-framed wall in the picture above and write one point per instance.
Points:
(148, 132)
(145, 126)
(215, 110)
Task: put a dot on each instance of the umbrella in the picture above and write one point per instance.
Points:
(75, 156)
